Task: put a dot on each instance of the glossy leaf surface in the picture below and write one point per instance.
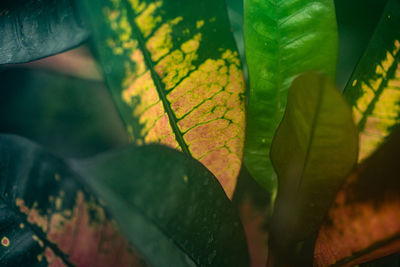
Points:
(48, 218)
(363, 222)
(314, 149)
(175, 75)
(170, 206)
(31, 29)
(283, 39)
(374, 89)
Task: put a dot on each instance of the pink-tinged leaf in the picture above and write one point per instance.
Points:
(48, 218)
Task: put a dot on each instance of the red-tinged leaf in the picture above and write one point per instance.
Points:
(254, 208)
(47, 218)
(363, 223)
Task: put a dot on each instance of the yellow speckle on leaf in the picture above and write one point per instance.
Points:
(5, 242)
(57, 177)
(147, 20)
(199, 24)
(185, 178)
(58, 203)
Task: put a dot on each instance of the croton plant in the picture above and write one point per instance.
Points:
(198, 133)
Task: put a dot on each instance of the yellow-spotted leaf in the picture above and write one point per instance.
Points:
(175, 75)
(374, 89)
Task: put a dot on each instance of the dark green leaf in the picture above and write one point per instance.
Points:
(314, 149)
(169, 205)
(363, 222)
(357, 20)
(31, 29)
(283, 39)
(47, 217)
(174, 72)
(374, 89)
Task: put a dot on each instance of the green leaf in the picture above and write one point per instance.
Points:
(31, 29)
(283, 38)
(175, 75)
(363, 222)
(374, 89)
(170, 206)
(48, 218)
(314, 149)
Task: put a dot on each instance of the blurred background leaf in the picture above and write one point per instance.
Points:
(70, 116)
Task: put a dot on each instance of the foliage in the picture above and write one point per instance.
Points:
(283, 39)
(178, 193)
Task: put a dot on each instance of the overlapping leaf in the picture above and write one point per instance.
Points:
(314, 149)
(283, 39)
(175, 75)
(170, 206)
(48, 218)
(32, 29)
(374, 89)
(364, 221)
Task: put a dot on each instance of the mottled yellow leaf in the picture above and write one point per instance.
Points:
(176, 78)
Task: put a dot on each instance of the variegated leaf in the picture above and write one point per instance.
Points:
(175, 75)
(374, 89)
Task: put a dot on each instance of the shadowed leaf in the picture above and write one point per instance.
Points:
(363, 222)
(48, 218)
(32, 29)
(283, 39)
(374, 89)
(175, 75)
(169, 205)
(314, 149)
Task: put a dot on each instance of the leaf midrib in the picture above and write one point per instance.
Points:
(157, 81)
(312, 134)
(390, 74)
